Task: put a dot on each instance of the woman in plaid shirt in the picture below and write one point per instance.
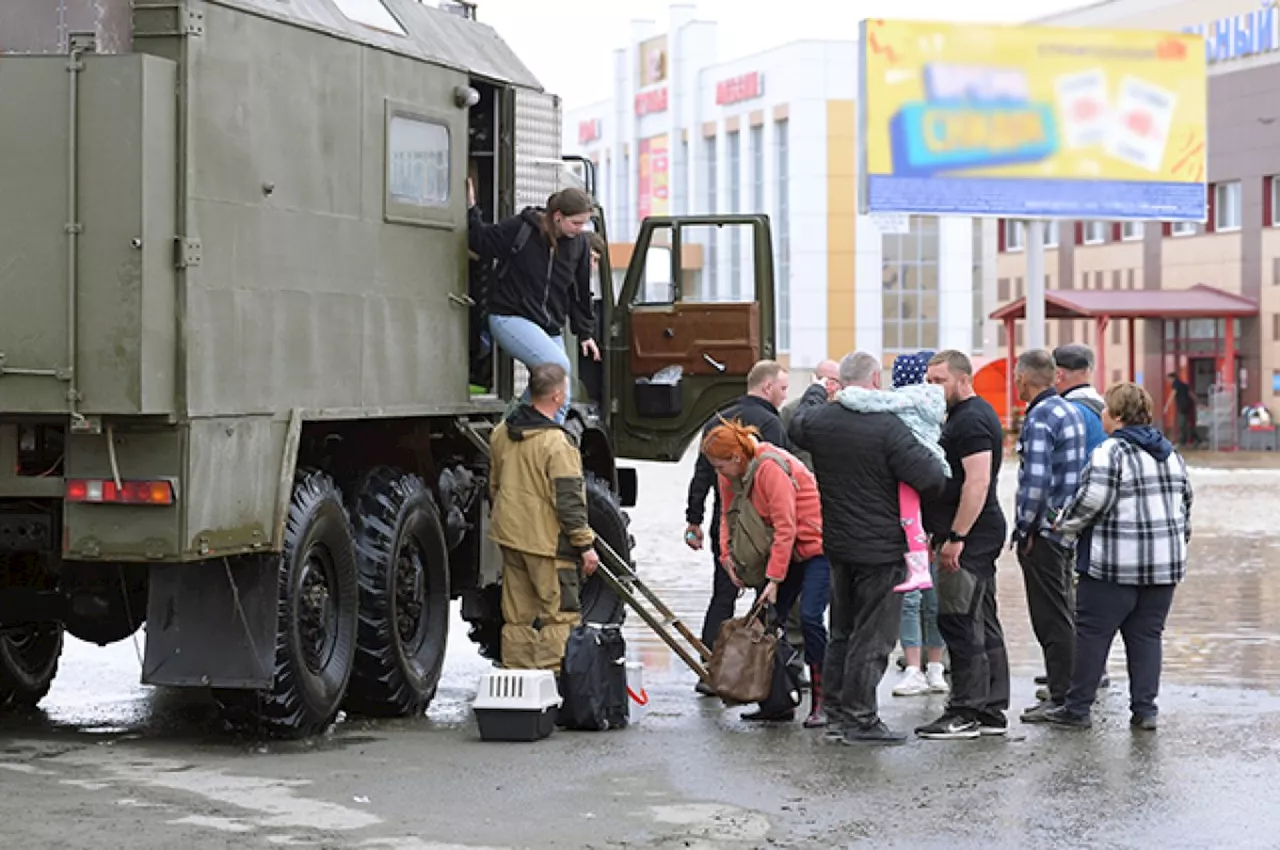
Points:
(1136, 497)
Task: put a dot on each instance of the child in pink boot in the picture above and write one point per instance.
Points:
(922, 408)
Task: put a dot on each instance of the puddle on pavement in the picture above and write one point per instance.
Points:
(1223, 630)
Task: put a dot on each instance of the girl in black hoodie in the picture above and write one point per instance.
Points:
(544, 278)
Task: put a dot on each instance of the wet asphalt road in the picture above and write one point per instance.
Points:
(110, 763)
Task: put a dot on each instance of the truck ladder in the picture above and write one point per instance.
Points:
(619, 575)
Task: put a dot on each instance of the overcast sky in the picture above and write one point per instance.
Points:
(577, 67)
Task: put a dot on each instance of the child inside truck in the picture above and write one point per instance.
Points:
(543, 278)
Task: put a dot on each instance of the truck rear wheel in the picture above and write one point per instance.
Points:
(316, 631)
(28, 663)
(404, 596)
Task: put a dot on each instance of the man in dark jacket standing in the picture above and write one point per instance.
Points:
(766, 390)
(859, 460)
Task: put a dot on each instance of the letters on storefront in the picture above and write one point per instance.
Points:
(1239, 36)
(740, 88)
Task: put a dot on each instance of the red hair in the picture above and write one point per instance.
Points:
(728, 439)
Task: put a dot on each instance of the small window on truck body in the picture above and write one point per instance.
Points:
(370, 13)
(419, 168)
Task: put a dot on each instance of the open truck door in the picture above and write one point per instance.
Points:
(695, 313)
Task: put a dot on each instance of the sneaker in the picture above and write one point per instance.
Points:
(703, 689)
(1042, 680)
(950, 727)
(992, 724)
(936, 680)
(1146, 724)
(876, 733)
(1059, 716)
(1037, 712)
(912, 684)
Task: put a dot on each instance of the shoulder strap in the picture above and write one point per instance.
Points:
(526, 230)
(749, 479)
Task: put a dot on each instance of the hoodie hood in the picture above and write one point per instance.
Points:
(525, 420)
(1084, 392)
(1146, 438)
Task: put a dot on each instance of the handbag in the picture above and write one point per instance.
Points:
(741, 668)
(750, 537)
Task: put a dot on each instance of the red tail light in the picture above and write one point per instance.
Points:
(98, 491)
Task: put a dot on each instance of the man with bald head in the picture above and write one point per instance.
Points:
(859, 460)
(826, 373)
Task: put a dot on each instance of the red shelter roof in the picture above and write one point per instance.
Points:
(1198, 302)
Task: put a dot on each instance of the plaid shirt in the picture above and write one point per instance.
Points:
(1140, 511)
(1051, 446)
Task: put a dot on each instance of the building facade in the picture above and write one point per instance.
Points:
(775, 133)
(1236, 250)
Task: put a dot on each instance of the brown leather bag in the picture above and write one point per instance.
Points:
(741, 669)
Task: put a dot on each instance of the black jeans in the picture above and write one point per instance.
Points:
(724, 596)
(1047, 570)
(1139, 614)
(865, 616)
(970, 625)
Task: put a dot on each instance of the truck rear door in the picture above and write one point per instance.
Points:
(694, 315)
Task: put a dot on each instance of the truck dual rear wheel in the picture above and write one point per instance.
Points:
(316, 627)
(404, 595)
(28, 663)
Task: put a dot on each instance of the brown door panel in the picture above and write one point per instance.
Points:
(683, 333)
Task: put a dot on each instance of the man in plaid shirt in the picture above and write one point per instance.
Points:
(1052, 449)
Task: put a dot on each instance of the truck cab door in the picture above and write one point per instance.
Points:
(694, 314)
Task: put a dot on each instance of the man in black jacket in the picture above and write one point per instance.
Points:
(766, 390)
(859, 460)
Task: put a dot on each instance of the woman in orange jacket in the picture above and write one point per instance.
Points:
(785, 495)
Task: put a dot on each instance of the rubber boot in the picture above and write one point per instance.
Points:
(918, 577)
(817, 714)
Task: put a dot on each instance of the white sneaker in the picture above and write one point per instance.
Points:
(912, 684)
(936, 681)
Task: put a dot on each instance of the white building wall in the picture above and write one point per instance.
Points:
(955, 283)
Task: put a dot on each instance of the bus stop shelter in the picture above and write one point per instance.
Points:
(1101, 307)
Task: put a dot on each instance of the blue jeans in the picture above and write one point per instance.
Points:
(914, 605)
(810, 582)
(532, 346)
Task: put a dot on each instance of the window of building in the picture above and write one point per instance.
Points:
(735, 206)
(713, 260)
(1183, 228)
(1226, 206)
(1051, 230)
(979, 317)
(624, 193)
(909, 277)
(1271, 197)
(757, 169)
(679, 191)
(370, 13)
(1130, 231)
(1095, 232)
(782, 232)
(1015, 234)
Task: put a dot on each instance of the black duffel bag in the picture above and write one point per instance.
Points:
(593, 679)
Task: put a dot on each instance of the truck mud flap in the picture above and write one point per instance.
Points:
(212, 624)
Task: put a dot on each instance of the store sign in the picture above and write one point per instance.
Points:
(653, 61)
(590, 131)
(740, 88)
(1239, 36)
(653, 184)
(650, 102)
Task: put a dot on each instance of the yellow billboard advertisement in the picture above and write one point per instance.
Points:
(1031, 122)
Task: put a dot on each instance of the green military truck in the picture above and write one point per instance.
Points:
(235, 307)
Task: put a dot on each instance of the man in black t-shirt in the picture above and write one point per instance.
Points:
(968, 529)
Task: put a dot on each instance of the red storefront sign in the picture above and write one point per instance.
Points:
(649, 102)
(740, 88)
(590, 131)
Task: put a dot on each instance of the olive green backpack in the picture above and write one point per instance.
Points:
(750, 538)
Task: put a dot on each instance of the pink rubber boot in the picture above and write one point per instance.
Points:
(918, 577)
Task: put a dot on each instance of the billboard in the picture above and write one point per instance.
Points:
(1031, 122)
(653, 61)
(653, 189)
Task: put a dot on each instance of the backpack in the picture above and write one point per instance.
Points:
(593, 679)
(522, 239)
(750, 537)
